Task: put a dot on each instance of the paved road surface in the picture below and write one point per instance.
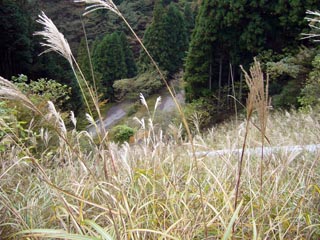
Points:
(118, 111)
(257, 151)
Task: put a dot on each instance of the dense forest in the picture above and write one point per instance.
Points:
(159, 119)
(207, 40)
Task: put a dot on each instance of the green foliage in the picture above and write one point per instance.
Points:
(189, 18)
(146, 83)
(112, 60)
(15, 41)
(83, 60)
(288, 76)
(10, 125)
(121, 133)
(310, 94)
(166, 44)
(43, 90)
(128, 55)
(234, 32)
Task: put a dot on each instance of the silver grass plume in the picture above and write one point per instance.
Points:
(54, 40)
(73, 119)
(158, 102)
(143, 101)
(58, 118)
(313, 21)
(99, 4)
(10, 92)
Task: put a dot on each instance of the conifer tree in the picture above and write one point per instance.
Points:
(113, 60)
(128, 54)
(230, 33)
(83, 60)
(166, 39)
(154, 39)
(176, 39)
(15, 39)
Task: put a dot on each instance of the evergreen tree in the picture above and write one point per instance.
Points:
(233, 32)
(128, 54)
(15, 39)
(113, 60)
(83, 60)
(176, 38)
(154, 39)
(166, 39)
(189, 18)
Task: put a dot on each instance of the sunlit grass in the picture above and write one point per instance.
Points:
(152, 193)
(60, 183)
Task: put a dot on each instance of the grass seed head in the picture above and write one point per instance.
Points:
(54, 40)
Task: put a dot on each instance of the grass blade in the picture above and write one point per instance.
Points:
(100, 230)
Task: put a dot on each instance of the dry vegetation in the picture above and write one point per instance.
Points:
(150, 190)
(59, 183)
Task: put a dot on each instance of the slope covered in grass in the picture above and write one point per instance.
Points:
(64, 181)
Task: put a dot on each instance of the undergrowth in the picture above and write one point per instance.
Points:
(149, 190)
(60, 183)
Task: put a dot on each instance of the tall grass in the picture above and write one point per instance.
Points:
(154, 196)
(59, 183)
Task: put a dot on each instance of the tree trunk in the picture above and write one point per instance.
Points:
(229, 78)
(220, 78)
(240, 88)
(210, 76)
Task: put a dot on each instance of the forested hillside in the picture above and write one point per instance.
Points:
(231, 34)
(217, 36)
(98, 31)
(236, 158)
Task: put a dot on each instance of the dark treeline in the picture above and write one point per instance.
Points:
(231, 33)
(210, 49)
(113, 50)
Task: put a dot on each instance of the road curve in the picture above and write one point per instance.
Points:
(256, 151)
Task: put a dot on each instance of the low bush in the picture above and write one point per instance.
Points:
(146, 83)
(122, 133)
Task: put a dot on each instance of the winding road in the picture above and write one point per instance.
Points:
(256, 151)
(119, 111)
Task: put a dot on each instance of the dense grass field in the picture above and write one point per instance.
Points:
(57, 182)
(62, 184)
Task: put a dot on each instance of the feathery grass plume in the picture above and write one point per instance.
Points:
(10, 92)
(158, 102)
(55, 41)
(259, 100)
(99, 4)
(143, 101)
(109, 5)
(313, 21)
(73, 119)
(58, 118)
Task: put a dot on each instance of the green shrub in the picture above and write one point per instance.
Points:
(288, 76)
(310, 94)
(122, 133)
(146, 83)
(133, 109)
(43, 90)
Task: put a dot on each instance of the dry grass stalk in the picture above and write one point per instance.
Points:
(56, 42)
(109, 5)
(258, 100)
(154, 201)
(10, 92)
